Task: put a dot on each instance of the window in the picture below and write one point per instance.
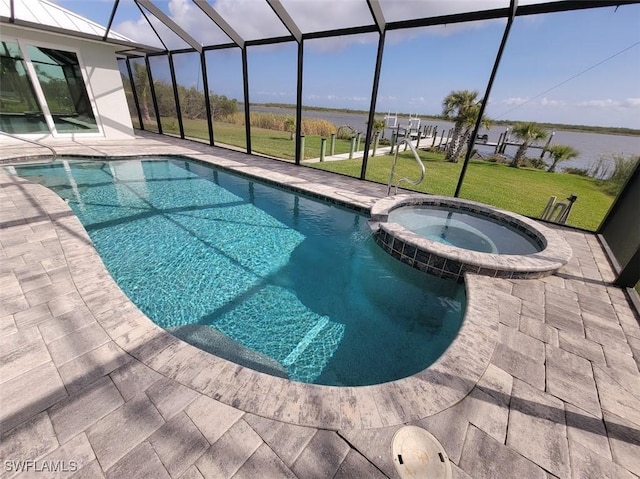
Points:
(42, 91)
(61, 80)
(20, 111)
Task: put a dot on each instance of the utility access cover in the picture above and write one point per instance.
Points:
(417, 454)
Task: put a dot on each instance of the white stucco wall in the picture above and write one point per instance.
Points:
(101, 74)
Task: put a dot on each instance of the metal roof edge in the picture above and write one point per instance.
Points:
(130, 45)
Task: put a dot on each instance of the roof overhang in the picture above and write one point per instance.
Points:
(121, 46)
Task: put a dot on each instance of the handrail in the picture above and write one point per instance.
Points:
(54, 154)
(393, 167)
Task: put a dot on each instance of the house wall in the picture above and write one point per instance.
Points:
(101, 75)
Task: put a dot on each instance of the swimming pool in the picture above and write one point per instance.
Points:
(272, 280)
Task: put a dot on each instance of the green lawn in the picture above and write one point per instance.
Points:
(267, 142)
(522, 190)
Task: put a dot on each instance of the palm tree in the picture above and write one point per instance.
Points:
(462, 108)
(378, 126)
(561, 153)
(528, 133)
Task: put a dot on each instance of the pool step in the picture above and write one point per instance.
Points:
(373, 225)
(213, 341)
(305, 341)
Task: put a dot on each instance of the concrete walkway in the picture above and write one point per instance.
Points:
(425, 142)
(88, 384)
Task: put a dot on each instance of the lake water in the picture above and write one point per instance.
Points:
(592, 146)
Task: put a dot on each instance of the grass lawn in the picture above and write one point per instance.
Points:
(525, 191)
(267, 142)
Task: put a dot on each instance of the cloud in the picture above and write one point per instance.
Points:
(272, 93)
(336, 44)
(333, 97)
(316, 15)
(193, 20)
(611, 104)
(552, 103)
(256, 20)
(142, 32)
(608, 103)
(188, 16)
(631, 102)
(252, 20)
(139, 31)
(515, 101)
(627, 103)
(408, 9)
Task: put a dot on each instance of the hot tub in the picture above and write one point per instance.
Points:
(448, 237)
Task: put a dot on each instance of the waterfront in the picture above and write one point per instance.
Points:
(592, 146)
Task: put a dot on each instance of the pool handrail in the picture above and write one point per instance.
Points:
(393, 167)
(54, 154)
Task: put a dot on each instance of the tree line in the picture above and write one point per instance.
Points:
(192, 100)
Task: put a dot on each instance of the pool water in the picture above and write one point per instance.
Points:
(284, 284)
(464, 229)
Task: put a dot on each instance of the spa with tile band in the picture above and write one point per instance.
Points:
(453, 262)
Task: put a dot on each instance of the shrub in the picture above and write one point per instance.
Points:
(498, 158)
(170, 125)
(236, 118)
(279, 122)
(345, 132)
(314, 126)
(223, 106)
(577, 171)
(269, 121)
(600, 169)
(622, 169)
(290, 126)
(536, 163)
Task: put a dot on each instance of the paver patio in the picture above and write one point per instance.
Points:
(87, 379)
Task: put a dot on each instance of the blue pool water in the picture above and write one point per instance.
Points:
(464, 229)
(275, 281)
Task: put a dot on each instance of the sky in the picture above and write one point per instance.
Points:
(579, 67)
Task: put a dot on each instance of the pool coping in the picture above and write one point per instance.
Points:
(443, 384)
(451, 262)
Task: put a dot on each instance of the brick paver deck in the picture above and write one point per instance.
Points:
(88, 380)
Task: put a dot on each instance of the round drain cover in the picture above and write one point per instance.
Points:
(417, 454)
